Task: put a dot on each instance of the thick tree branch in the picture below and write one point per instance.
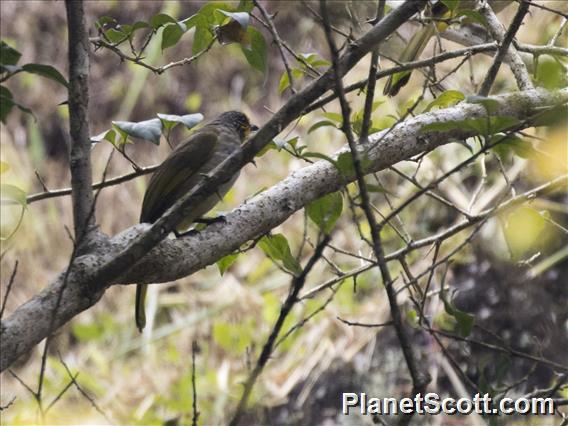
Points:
(102, 270)
(174, 259)
(80, 156)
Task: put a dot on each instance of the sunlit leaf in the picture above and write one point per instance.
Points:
(551, 74)
(10, 194)
(523, 230)
(446, 99)
(334, 116)
(225, 262)
(319, 124)
(107, 135)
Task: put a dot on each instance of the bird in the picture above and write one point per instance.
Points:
(417, 43)
(185, 167)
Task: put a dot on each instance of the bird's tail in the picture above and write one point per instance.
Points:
(140, 313)
(412, 51)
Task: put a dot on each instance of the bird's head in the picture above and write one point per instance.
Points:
(239, 122)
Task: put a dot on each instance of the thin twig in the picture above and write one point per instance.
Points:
(371, 81)
(98, 42)
(99, 185)
(297, 285)
(195, 416)
(516, 64)
(523, 78)
(420, 378)
(278, 42)
(9, 288)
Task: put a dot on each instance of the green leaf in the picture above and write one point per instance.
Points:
(256, 55)
(482, 126)
(490, 104)
(550, 74)
(319, 155)
(241, 17)
(446, 99)
(103, 21)
(325, 211)
(334, 116)
(12, 194)
(225, 262)
(107, 135)
(149, 130)
(276, 247)
(269, 146)
(245, 5)
(474, 16)
(452, 5)
(464, 320)
(46, 71)
(284, 82)
(138, 25)
(553, 117)
(202, 36)
(345, 164)
(115, 35)
(8, 55)
(512, 144)
(7, 102)
(323, 123)
(188, 120)
(161, 19)
(491, 125)
(172, 33)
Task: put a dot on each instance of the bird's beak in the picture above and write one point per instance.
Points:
(254, 128)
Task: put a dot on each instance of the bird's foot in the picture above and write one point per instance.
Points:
(186, 233)
(210, 220)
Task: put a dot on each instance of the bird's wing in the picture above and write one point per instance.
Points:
(167, 184)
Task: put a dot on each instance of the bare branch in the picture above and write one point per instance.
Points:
(523, 78)
(507, 51)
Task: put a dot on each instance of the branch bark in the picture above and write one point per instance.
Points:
(80, 156)
(89, 277)
(173, 259)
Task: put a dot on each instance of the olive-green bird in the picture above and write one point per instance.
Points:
(420, 38)
(184, 168)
